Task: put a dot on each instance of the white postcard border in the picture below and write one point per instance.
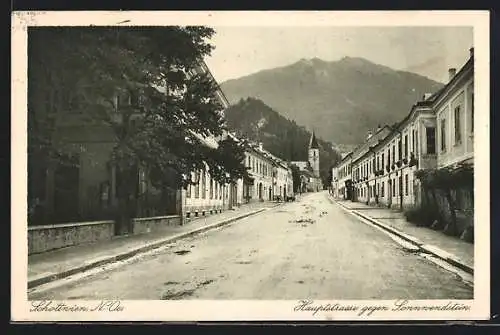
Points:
(234, 309)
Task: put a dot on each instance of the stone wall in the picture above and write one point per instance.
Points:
(153, 224)
(50, 237)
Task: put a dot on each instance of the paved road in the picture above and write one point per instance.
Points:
(272, 256)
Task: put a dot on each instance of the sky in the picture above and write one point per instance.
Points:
(428, 51)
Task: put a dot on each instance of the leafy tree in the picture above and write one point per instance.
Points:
(165, 101)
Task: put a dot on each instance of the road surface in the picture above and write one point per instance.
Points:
(329, 255)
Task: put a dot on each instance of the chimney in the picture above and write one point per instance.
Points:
(369, 135)
(379, 128)
(260, 146)
(452, 72)
(427, 96)
(471, 51)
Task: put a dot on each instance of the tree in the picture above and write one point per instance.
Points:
(156, 72)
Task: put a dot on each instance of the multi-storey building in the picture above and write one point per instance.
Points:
(438, 132)
(343, 185)
(454, 108)
(261, 167)
(363, 165)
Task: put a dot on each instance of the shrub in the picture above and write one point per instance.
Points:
(422, 216)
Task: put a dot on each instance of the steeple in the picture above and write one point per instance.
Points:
(313, 143)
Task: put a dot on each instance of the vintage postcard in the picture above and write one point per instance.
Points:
(241, 166)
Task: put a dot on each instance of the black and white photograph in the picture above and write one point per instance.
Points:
(325, 164)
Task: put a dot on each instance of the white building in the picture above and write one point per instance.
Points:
(438, 132)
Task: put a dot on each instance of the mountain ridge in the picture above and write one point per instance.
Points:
(341, 100)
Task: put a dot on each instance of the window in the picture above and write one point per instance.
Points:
(389, 157)
(458, 129)
(382, 189)
(406, 184)
(400, 151)
(188, 188)
(249, 165)
(211, 188)
(416, 143)
(216, 191)
(443, 135)
(394, 187)
(407, 151)
(431, 140)
(203, 184)
(136, 99)
(383, 161)
(472, 113)
(393, 153)
(413, 140)
(197, 187)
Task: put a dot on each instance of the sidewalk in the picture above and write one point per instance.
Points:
(451, 249)
(61, 263)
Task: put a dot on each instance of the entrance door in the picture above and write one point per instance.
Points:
(260, 191)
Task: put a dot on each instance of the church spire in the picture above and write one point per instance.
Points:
(313, 144)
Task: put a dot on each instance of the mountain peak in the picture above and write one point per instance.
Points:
(341, 99)
(357, 61)
(311, 61)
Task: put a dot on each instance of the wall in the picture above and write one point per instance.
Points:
(50, 237)
(154, 224)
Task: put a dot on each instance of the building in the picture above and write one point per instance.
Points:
(310, 169)
(343, 185)
(363, 165)
(261, 168)
(454, 108)
(438, 132)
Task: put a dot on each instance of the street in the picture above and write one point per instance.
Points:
(305, 249)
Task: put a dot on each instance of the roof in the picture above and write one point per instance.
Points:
(313, 144)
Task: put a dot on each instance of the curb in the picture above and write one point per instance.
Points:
(441, 254)
(116, 258)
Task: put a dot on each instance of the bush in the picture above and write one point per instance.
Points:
(421, 216)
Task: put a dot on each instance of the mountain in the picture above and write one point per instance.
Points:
(340, 100)
(253, 119)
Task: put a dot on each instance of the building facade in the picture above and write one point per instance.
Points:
(343, 186)
(438, 132)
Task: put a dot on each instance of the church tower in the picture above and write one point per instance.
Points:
(314, 154)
